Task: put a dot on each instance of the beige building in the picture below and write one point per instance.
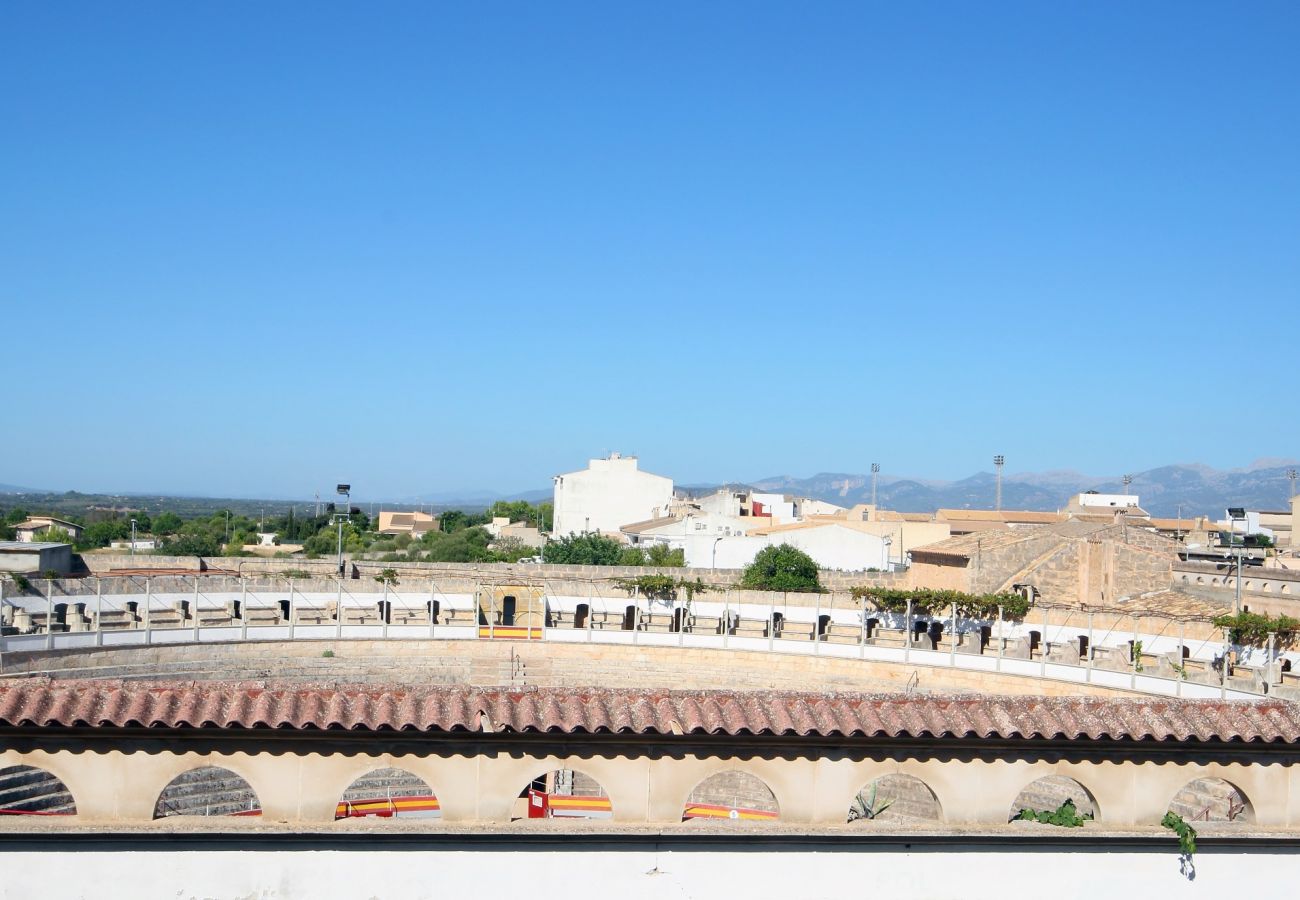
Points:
(1068, 562)
(416, 524)
(36, 527)
(970, 521)
(501, 528)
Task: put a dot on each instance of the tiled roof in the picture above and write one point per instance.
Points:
(224, 705)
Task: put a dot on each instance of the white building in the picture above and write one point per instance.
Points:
(1091, 501)
(607, 495)
(781, 507)
(832, 546)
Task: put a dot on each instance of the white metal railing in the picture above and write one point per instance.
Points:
(278, 610)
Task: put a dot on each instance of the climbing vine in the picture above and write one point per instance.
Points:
(971, 606)
(1186, 833)
(1253, 628)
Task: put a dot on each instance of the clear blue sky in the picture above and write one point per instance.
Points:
(251, 249)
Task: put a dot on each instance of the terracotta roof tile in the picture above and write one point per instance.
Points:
(227, 705)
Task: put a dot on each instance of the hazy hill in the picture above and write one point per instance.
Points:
(1201, 490)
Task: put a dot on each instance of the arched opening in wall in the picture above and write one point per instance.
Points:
(732, 795)
(679, 620)
(1050, 793)
(823, 624)
(775, 624)
(390, 794)
(901, 799)
(207, 791)
(435, 611)
(629, 618)
(508, 606)
(29, 791)
(581, 614)
(563, 794)
(1212, 800)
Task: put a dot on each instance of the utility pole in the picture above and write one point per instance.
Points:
(875, 473)
(998, 462)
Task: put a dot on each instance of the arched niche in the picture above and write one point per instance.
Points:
(563, 794)
(1212, 800)
(1050, 792)
(732, 795)
(895, 798)
(207, 791)
(388, 793)
(29, 791)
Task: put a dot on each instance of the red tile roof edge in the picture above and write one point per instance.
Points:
(256, 705)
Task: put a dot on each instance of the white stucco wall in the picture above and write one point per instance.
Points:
(607, 495)
(1088, 869)
(831, 546)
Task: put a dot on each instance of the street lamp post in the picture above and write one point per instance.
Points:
(1238, 514)
(346, 491)
(133, 537)
(998, 462)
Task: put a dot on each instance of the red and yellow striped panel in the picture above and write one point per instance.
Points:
(385, 807)
(510, 632)
(706, 811)
(593, 807)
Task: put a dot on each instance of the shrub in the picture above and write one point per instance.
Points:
(1066, 816)
(781, 568)
(664, 587)
(387, 576)
(586, 549)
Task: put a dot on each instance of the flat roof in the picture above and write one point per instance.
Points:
(29, 546)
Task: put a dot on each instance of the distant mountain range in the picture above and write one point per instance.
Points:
(1193, 489)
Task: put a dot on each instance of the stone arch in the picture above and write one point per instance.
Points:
(732, 794)
(28, 790)
(1211, 799)
(896, 798)
(1050, 791)
(563, 793)
(207, 791)
(389, 792)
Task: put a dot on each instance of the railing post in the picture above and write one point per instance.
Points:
(99, 611)
(1042, 650)
(1137, 654)
(148, 604)
(817, 625)
(1092, 651)
(726, 617)
(290, 580)
(243, 609)
(196, 609)
(1002, 639)
(432, 599)
(1223, 681)
(952, 637)
(49, 614)
(907, 631)
(1268, 671)
(1182, 658)
(338, 612)
(386, 612)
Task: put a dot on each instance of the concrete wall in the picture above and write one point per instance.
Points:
(57, 558)
(591, 866)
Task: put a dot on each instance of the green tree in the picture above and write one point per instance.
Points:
(194, 544)
(664, 556)
(55, 535)
(632, 556)
(167, 523)
(585, 549)
(781, 568)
